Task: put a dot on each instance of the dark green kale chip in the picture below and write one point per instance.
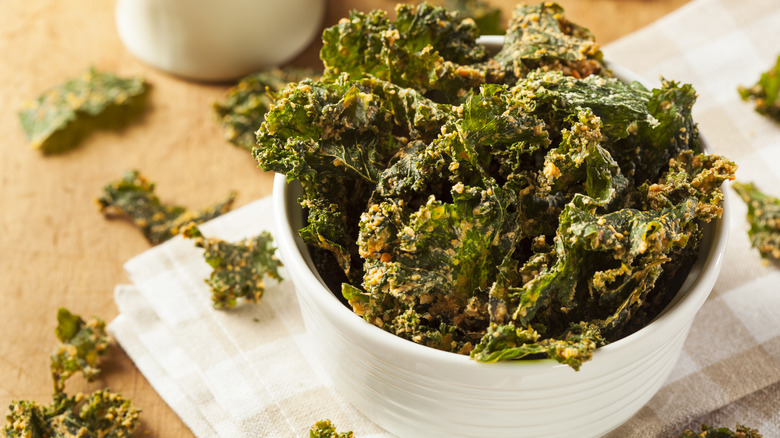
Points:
(327, 135)
(765, 93)
(540, 37)
(240, 268)
(722, 432)
(245, 105)
(326, 429)
(542, 216)
(763, 216)
(426, 47)
(64, 115)
(133, 198)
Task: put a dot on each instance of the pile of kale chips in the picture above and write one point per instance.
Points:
(518, 204)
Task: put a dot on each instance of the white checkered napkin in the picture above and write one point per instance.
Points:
(729, 371)
(232, 373)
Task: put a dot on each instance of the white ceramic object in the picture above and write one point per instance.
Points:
(416, 391)
(215, 40)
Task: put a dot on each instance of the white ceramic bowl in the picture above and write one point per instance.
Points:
(413, 390)
(416, 391)
(222, 40)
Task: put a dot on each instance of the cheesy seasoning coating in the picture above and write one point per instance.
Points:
(525, 204)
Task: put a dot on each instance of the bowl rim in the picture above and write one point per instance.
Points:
(686, 303)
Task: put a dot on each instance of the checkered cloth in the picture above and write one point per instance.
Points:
(246, 372)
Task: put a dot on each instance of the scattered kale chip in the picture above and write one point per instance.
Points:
(522, 205)
(763, 216)
(101, 414)
(239, 268)
(82, 344)
(722, 432)
(133, 198)
(64, 115)
(765, 93)
(325, 429)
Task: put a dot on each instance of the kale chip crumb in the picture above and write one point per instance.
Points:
(239, 268)
(133, 198)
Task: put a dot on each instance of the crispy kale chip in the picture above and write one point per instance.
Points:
(133, 198)
(239, 268)
(64, 115)
(434, 50)
(722, 432)
(326, 429)
(765, 93)
(540, 37)
(573, 348)
(101, 414)
(426, 48)
(543, 217)
(327, 135)
(245, 104)
(82, 344)
(764, 218)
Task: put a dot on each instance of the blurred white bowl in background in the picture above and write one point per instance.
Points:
(217, 40)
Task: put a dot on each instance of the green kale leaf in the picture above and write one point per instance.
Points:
(763, 216)
(82, 343)
(101, 414)
(133, 198)
(243, 109)
(765, 93)
(426, 48)
(64, 115)
(239, 268)
(503, 342)
(650, 146)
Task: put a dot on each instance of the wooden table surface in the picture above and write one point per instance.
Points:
(57, 250)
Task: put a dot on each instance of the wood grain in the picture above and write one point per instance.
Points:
(56, 249)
